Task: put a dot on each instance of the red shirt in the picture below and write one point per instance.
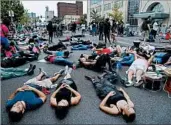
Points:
(3, 30)
(104, 51)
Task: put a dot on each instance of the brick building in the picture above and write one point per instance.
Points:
(70, 8)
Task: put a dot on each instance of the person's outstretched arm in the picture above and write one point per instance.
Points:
(131, 104)
(74, 100)
(110, 110)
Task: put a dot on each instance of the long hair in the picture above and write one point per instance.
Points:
(62, 111)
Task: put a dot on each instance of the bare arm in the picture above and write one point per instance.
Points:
(110, 110)
(127, 98)
(41, 95)
(74, 100)
(53, 99)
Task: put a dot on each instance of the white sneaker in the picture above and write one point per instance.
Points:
(70, 70)
(130, 83)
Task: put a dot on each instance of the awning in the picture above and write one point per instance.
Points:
(153, 15)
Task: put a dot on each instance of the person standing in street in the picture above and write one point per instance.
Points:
(50, 30)
(83, 28)
(146, 28)
(94, 29)
(101, 28)
(107, 30)
(155, 29)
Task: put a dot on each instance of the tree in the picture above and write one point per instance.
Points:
(94, 15)
(25, 19)
(83, 19)
(14, 5)
(116, 14)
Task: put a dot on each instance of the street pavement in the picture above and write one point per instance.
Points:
(151, 107)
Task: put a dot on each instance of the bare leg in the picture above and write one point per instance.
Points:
(55, 78)
(130, 75)
(119, 50)
(150, 60)
(139, 73)
(39, 77)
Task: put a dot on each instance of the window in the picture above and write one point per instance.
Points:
(119, 3)
(98, 9)
(95, 1)
(158, 8)
(107, 6)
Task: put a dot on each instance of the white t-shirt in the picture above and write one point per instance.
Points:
(83, 26)
(155, 26)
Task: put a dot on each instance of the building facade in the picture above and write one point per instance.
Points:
(70, 8)
(32, 17)
(134, 11)
(48, 14)
(104, 7)
(159, 10)
(70, 18)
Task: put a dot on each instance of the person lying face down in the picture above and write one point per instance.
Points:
(114, 101)
(65, 96)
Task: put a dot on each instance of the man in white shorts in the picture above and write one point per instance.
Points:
(46, 83)
(138, 68)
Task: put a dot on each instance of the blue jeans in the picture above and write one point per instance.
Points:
(62, 61)
(80, 47)
(127, 60)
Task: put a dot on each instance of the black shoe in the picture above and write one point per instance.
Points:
(31, 70)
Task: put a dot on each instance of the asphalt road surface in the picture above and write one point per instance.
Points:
(151, 107)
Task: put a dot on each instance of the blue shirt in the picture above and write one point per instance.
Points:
(60, 53)
(29, 97)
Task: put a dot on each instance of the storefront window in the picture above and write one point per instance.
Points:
(119, 3)
(158, 8)
(107, 6)
(95, 1)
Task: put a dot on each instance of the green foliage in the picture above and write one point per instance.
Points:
(14, 5)
(95, 16)
(116, 14)
(83, 19)
(25, 19)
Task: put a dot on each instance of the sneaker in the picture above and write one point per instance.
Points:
(31, 70)
(66, 69)
(41, 70)
(60, 72)
(138, 84)
(130, 83)
(69, 70)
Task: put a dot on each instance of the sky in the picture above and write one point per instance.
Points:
(38, 6)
